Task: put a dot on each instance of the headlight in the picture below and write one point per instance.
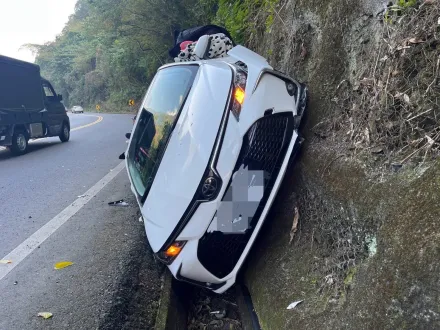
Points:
(239, 92)
(171, 253)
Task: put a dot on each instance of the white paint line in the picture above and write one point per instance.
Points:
(32, 242)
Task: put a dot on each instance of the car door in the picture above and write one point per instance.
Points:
(55, 110)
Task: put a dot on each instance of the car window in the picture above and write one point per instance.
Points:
(49, 92)
(159, 113)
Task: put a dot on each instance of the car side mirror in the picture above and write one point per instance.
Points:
(60, 97)
(128, 135)
(122, 156)
(201, 46)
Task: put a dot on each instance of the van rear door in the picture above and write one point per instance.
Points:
(55, 109)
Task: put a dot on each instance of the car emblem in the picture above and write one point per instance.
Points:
(209, 187)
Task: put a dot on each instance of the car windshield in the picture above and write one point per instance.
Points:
(158, 115)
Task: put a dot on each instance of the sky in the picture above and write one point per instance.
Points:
(31, 22)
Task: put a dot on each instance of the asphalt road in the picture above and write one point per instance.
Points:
(43, 182)
(114, 281)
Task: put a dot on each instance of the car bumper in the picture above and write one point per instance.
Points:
(217, 246)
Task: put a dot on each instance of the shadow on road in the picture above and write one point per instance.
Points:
(6, 154)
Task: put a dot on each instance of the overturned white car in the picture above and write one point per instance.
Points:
(209, 149)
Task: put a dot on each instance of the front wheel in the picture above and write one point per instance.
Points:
(65, 133)
(19, 143)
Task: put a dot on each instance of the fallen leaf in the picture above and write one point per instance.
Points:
(3, 261)
(303, 53)
(367, 81)
(415, 41)
(45, 315)
(405, 97)
(430, 2)
(294, 304)
(377, 150)
(63, 264)
(294, 225)
(430, 140)
(329, 279)
(367, 135)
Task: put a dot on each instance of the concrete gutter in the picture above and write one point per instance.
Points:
(172, 314)
(249, 318)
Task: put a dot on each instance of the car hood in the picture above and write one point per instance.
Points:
(188, 153)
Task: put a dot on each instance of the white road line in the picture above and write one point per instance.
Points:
(30, 244)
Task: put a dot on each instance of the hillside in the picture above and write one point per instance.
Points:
(366, 251)
(366, 185)
(109, 50)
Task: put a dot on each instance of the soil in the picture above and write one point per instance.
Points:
(136, 300)
(366, 253)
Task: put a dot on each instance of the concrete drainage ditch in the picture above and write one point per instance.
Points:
(185, 307)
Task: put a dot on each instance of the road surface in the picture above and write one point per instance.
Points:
(54, 208)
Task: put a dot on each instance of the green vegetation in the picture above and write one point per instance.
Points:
(406, 3)
(109, 50)
(397, 9)
(240, 17)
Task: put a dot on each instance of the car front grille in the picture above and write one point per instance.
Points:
(264, 149)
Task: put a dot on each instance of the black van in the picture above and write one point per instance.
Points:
(29, 106)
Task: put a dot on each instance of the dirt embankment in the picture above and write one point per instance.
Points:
(367, 184)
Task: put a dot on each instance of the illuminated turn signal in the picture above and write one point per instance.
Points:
(167, 256)
(173, 250)
(239, 95)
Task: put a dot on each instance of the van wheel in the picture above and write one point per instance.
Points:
(19, 143)
(65, 133)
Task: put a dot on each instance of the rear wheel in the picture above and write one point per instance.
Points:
(65, 133)
(19, 143)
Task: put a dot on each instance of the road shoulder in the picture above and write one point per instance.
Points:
(114, 282)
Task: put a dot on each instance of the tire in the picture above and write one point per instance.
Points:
(19, 143)
(65, 133)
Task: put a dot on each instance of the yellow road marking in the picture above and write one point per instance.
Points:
(100, 118)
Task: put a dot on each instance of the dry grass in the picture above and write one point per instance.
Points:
(394, 107)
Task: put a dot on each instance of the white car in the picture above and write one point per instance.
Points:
(209, 149)
(77, 109)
